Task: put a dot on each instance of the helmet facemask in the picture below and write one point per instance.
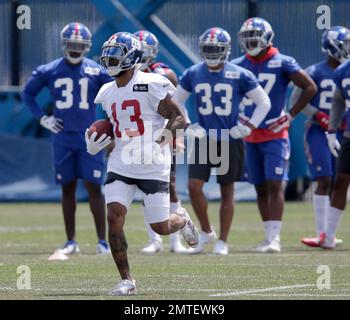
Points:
(75, 50)
(115, 58)
(341, 50)
(149, 54)
(255, 41)
(214, 53)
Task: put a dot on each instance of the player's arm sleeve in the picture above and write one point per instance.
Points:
(180, 97)
(290, 65)
(337, 110)
(263, 105)
(31, 89)
(99, 99)
(185, 81)
(309, 110)
(247, 82)
(160, 89)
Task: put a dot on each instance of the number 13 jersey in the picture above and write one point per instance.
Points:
(133, 111)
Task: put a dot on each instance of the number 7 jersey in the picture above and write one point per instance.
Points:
(133, 111)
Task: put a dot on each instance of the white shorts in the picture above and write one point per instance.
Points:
(156, 205)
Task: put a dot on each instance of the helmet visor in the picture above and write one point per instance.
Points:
(76, 46)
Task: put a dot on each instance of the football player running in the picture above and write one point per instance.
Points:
(138, 105)
(150, 48)
(320, 159)
(268, 147)
(219, 87)
(340, 103)
(73, 81)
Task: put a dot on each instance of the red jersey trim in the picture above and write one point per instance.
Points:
(263, 135)
(268, 55)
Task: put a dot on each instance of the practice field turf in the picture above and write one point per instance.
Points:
(29, 233)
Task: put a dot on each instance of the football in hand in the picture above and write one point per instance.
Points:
(101, 127)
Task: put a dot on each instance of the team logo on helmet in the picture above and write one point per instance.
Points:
(336, 43)
(122, 51)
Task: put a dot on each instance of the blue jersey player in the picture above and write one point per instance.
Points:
(340, 104)
(150, 48)
(219, 87)
(321, 161)
(268, 146)
(73, 81)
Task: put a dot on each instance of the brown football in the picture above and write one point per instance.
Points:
(101, 127)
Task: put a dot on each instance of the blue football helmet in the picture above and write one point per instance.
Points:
(150, 46)
(336, 43)
(122, 51)
(255, 35)
(76, 41)
(214, 46)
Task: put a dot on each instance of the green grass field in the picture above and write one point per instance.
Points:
(29, 233)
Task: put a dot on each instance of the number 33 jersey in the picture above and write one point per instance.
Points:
(133, 111)
(218, 94)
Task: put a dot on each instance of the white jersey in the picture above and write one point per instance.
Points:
(132, 110)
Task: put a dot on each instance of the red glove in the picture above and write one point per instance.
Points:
(323, 119)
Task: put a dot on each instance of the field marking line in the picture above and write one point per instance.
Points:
(252, 291)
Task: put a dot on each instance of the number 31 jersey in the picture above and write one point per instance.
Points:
(73, 88)
(133, 111)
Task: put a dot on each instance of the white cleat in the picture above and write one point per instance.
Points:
(338, 242)
(274, 246)
(269, 247)
(154, 247)
(124, 288)
(262, 246)
(102, 248)
(204, 238)
(177, 247)
(175, 244)
(221, 248)
(70, 247)
(326, 243)
(189, 231)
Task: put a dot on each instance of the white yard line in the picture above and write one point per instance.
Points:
(253, 291)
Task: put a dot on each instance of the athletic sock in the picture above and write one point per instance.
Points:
(320, 204)
(267, 227)
(175, 206)
(174, 237)
(153, 236)
(333, 219)
(275, 229)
